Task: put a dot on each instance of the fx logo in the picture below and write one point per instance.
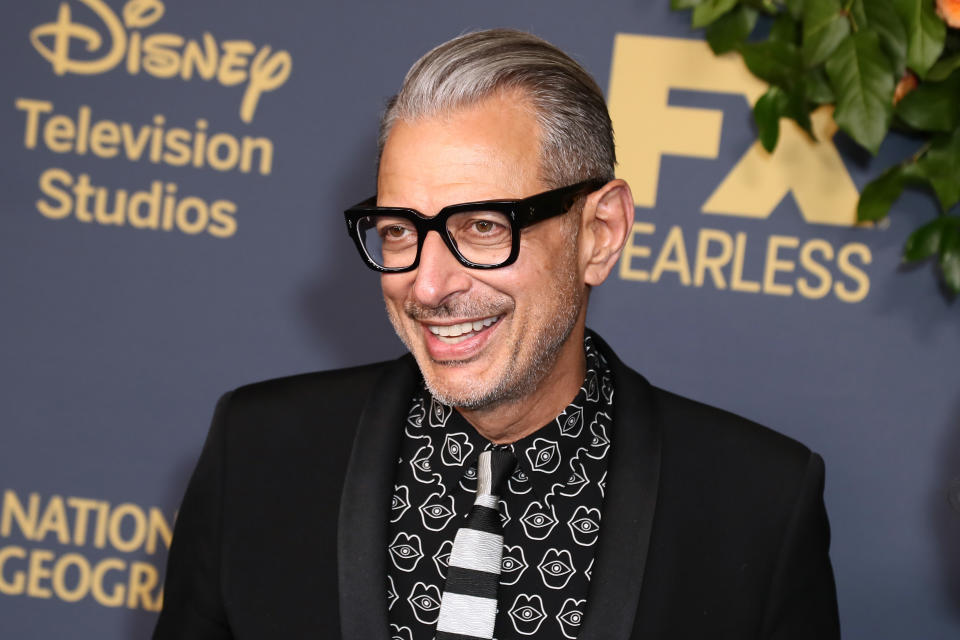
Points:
(646, 68)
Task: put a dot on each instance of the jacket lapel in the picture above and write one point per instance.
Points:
(632, 480)
(364, 505)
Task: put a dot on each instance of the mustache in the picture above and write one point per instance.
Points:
(456, 309)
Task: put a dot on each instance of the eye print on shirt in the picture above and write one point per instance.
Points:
(406, 551)
(512, 564)
(425, 602)
(392, 595)
(585, 525)
(400, 502)
(578, 476)
(469, 480)
(441, 559)
(417, 414)
(422, 469)
(556, 568)
(527, 614)
(538, 521)
(456, 448)
(571, 617)
(519, 482)
(543, 455)
(400, 633)
(571, 421)
(435, 512)
(599, 443)
(439, 413)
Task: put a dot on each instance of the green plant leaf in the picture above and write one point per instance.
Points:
(766, 113)
(824, 27)
(729, 31)
(943, 68)
(932, 106)
(816, 86)
(882, 17)
(774, 62)
(940, 167)
(773, 105)
(709, 11)
(880, 194)
(923, 242)
(680, 5)
(862, 79)
(926, 33)
(950, 255)
(785, 29)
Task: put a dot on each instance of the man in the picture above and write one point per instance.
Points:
(619, 510)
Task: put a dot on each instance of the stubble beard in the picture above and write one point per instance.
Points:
(522, 374)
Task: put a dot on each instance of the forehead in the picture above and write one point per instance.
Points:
(485, 151)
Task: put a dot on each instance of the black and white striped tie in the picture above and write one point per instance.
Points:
(468, 607)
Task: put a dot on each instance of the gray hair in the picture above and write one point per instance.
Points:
(576, 136)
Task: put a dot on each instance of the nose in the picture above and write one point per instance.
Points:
(439, 274)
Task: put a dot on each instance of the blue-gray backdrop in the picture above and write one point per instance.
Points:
(171, 181)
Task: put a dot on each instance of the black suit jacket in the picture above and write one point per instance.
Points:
(712, 527)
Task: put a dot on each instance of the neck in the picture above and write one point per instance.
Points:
(514, 419)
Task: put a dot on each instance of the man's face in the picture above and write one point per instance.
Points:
(481, 337)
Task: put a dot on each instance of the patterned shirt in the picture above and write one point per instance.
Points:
(550, 511)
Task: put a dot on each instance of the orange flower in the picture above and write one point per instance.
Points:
(907, 84)
(949, 10)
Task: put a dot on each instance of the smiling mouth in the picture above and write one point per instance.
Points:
(456, 333)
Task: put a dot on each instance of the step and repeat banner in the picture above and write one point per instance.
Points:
(172, 176)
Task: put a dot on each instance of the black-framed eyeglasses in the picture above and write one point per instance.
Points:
(482, 235)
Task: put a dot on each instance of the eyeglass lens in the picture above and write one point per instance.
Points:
(482, 237)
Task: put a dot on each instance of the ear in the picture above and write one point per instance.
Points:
(605, 224)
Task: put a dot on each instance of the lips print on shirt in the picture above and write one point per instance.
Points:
(421, 465)
(571, 421)
(512, 564)
(400, 502)
(599, 443)
(527, 614)
(436, 511)
(392, 595)
(456, 448)
(543, 455)
(538, 520)
(556, 568)
(400, 633)
(591, 386)
(519, 482)
(405, 551)
(585, 525)
(441, 559)
(416, 415)
(578, 476)
(571, 617)
(439, 414)
(425, 602)
(468, 482)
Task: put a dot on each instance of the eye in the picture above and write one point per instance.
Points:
(572, 618)
(585, 525)
(435, 511)
(394, 230)
(538, 520)
(471, 473)
(526, 613)
(425, 602)
(404, 551)
(557, 568)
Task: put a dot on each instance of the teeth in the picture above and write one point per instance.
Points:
(457, 332)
